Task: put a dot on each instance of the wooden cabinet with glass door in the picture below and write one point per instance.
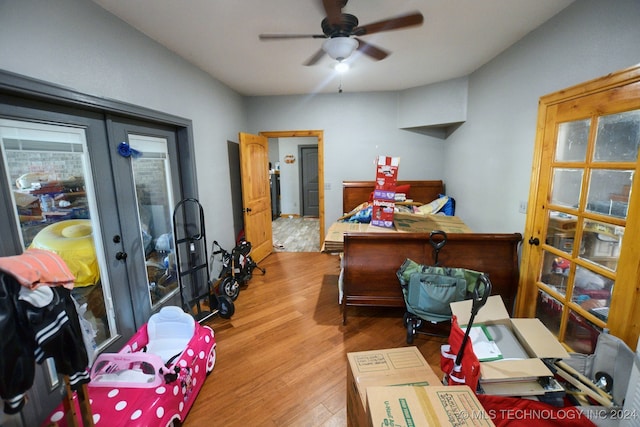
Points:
(580, 269)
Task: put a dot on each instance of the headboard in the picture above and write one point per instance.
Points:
(356, 192)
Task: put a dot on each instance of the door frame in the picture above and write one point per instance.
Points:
(319, 135)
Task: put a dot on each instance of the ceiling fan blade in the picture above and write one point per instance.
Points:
(333, 9)
(290, 36)
(371, 50)
(402, 21)
(315, 58)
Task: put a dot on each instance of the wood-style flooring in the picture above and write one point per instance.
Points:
(281, 359)
(296, 234)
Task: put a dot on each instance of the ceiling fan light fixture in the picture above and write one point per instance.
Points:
(341, 67)
(340, 48)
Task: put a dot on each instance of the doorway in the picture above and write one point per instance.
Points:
(298, 229)
(92, 181)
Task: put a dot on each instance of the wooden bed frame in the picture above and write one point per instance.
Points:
(371, 260)
(355, 193)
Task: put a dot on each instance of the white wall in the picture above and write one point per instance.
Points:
(77, 44)
(357, 128)
(489, 158)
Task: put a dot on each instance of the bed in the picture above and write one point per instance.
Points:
(370, 260)
(356, 192)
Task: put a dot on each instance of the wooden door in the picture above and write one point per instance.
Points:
(579, 268)
(256, 197)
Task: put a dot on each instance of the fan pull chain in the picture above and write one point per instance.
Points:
(340, 86)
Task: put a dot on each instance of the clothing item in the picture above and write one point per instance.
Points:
(32, 334)
(38, 267)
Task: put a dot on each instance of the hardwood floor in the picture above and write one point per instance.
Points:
(281, 359)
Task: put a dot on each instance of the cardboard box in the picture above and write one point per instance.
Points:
(395, 366)
(334, 239)
(385, 191)
(427, 223)
(425, 406)
(536, 340)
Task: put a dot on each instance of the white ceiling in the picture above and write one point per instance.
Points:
(221, 38)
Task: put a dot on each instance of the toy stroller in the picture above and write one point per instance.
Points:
(428, 290)
(236, 268)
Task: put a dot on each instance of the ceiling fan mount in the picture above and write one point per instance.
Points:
(343, 30)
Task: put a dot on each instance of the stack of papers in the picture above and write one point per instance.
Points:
(484, 346)
(494, 342)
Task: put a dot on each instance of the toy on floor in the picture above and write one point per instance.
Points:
(236, 268)
(155, 378)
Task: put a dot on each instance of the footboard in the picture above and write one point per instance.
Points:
(371, 261)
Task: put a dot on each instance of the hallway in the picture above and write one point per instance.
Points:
(296, 234)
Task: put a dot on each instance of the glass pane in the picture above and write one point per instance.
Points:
(555, 272)
(609, 192)
(572, 141)
(152, 178)
(50, 179)
(581, 334)
(560, 230)
(549, 311)
(592, 291)
(618, 137)
(601, 243)
(566, 187)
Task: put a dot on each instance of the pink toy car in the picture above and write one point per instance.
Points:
(155, 378)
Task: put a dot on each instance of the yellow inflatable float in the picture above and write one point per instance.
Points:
(72, 240)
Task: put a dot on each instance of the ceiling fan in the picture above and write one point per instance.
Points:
(341, 31)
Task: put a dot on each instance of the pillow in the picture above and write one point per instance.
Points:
(363, 216)
(404, 189)
(449, 207)
(433, 207)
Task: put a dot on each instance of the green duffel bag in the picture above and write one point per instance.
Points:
(410, 267)
(429, 295)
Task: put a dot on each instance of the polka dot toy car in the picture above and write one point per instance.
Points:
(155, 378)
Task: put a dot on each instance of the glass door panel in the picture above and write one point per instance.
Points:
(549, 311)
(573, 138)
(152, 179)
(609, 192)
(49, 173)
(555, 272)
(581, 334)
(618, 137)
(589, 193)
(560, 230)
(601, 243)
(566, 187)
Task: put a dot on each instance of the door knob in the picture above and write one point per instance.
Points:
(121, 256)
(534, 241)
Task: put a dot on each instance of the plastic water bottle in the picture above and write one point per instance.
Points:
(46, 203)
